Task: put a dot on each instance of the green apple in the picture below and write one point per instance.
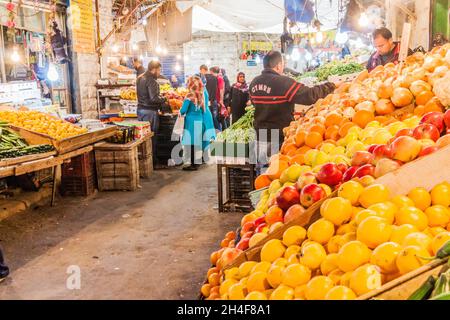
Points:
(291, 174)
(310, 156)
(327, 148)
(275, 185)
(321, 158)
(337, 150)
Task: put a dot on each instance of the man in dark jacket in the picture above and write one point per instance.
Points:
(212, 86)
(388, 51)
(137, 64)
(274, 97)
(150, 101)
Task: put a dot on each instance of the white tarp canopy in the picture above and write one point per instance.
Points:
(252, 15)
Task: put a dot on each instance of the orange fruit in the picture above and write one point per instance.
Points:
(332, 133)
(272, 250)
(299, 292)
(385, 255)
(288, 149)
(274, 275)
(262, 181)
(297, 159)
(418, 239)
(419, 110)
(294, 236)
(424, 97)
(249, 217)
(312, 255)
(329, 264)
(434, 105)
(438, 216)
(276, 169)
(255, 295)
(421, 198)
(412, 215)
(399, 233)
(303, 150)
(439, 240)
(402, 201)
(300, 138)
(334, 244)
(409, 259)
(333, 119)
(257, 282)
(365, 279)
(318, 287)
(206, 290)
(440, 194)
(337, 210)
(373, 231)
(321, 231)
(290, 251)
(347, 228)
(363, 117)
(381, 119)
(282, 293)
(336, 276)
(313, 139)
(386, 210)
(351, 190)
(345, 279)
(352, 255)
(318, 128)
(212, 270)
(274, 215)
(214, 279)
(237, 291)
(340, 293)
(345, 127)
(225, 286)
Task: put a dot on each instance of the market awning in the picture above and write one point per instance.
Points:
(252, 15)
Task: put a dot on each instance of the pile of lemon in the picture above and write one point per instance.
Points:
(364, 239)
(42, 123)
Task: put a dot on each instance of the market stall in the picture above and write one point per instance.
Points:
(353, 206)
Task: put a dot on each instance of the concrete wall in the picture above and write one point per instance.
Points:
(224, 50)
(86, 68)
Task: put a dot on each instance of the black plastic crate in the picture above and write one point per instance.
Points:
(80, 166)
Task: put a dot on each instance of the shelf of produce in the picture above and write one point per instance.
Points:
(68, 144)
(421, 172)
(6, 172)
(401, 288)
(37, 165)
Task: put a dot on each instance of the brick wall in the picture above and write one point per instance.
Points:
(222, 49)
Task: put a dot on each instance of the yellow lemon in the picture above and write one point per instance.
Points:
(373, 194)
(439, 241)
(292, 250)
(336, 276)
(386, 210)
(438, 216)
(385, 255)
(262, 266)
(418, 239)
(294, 235)
(282, 293)
(337, 210)
(312, 255)
(340, 293)
(412, 215)
(321, 231)
(351, 191)
(299, 292)
(399, 233)
(318, 287)
(409, 259)
(373, 231)
(329, 264)
(440, 195)
(296, 275)
(365, 279)
(345, 279)
(364, 214)
(352, 255)
(421, 198)
(237, 292)
(255, 295)
(402, 201)
(274, 275)
(272, 250)
(225, 286)
(245, 268)
(257, 282)
(347, 228)
(333, 245)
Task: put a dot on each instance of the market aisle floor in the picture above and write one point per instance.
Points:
(151, 244)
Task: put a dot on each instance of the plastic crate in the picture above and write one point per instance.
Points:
(80, 166)
(78, 186)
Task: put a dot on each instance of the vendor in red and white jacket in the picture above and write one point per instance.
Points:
(388, 51)
(275, 95)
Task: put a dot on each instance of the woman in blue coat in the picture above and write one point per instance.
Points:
(193, 109)
(209, 132)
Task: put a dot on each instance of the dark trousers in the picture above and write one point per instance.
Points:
(214, 107)
(193, 150)
(152, 117)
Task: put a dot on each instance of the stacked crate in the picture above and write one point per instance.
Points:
(165, 145)
(78, 177)
(145, 156)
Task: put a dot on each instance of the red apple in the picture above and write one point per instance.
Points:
(305, 179)
(260, 227)
(228, 256)
(293, 213)
(404, 132)
(405, 149)
(385, 166)
(361, 158)
(243, 244)
(428, 150)
(434, 118)
(382, 151)
(372, 148)
(330, 174)
(348, 175)
(287, 197)
(260, 220)
(248, 234)
(342, 167)
(447, 119)
(311, 194)
(365, 170)
(426, 131)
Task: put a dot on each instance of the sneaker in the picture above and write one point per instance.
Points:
(190, 168)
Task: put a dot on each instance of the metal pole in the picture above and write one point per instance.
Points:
(2, 56)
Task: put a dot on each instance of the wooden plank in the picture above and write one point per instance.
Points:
(37, 165)
(6, 172)
(402, 287)
(120, 147)
(77, 152)
(31, 157)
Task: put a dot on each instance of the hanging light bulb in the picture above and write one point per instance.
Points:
(135, 47)
(295, 54)
(15, 57)
(52, 73)
(165, 51)
(258, 59)
(178, 56)
(186, 58)
(319, 37)
(158, 49)
(144, 22)
(115, 48)
(177, 67)
(363, 20)
(141, 57)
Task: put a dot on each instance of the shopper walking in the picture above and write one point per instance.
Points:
(239, 97)
(4, 270)
(193, 108)
(209, 132)
(211, 87)
(220, 95)
(150, 101)
(226, 95)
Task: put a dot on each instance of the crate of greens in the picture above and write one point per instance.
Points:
(237, 140)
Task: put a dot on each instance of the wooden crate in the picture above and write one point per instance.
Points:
(145, 149)
(422, 172)
(117, 167)
(78, 186)
(146, 167)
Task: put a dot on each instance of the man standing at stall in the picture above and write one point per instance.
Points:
(274, 97)
(150, 102)
(388, 51)
(137, 64)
